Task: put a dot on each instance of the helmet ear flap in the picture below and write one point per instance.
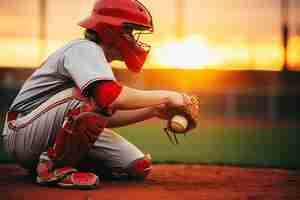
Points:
(106, 33)
(134, 55)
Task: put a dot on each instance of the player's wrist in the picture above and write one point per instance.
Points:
(161, 112)
(175, 99)
(155, 111)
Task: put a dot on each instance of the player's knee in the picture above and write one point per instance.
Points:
(80, 131)
(140, 169)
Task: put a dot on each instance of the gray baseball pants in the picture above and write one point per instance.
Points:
(28, 136)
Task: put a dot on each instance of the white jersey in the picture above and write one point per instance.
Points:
(79, 63)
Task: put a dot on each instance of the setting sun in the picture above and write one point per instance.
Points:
(190, 52)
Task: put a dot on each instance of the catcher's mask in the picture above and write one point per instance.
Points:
(124, 24)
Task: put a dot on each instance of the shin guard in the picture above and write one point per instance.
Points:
(80, 130)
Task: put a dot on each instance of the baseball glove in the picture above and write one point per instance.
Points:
(190, 111)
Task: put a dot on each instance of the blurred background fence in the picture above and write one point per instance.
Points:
(265, 95)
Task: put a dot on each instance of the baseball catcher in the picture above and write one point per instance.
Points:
(58, 126)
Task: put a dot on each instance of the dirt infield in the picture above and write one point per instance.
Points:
(167, 182)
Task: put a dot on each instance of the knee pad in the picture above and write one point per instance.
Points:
(140, 169)
(77, 136)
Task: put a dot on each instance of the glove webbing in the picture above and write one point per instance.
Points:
(172, 136)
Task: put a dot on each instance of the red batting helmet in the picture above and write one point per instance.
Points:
(121, 23)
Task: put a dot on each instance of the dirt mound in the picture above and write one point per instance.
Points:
(166, 182)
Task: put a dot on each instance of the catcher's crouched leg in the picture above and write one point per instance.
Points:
(73, 141)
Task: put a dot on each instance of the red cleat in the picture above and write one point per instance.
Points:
(66, 177)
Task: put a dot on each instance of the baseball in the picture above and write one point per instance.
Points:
(178, 123)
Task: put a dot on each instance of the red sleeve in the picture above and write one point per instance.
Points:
(106, 92)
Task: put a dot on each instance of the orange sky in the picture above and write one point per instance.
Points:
(217, 33)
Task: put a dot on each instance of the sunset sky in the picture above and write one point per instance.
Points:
(239, 34)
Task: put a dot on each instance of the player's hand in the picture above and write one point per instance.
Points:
(176, 99)
(161, 111)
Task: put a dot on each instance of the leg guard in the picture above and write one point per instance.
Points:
(81, 129)
(140, 169)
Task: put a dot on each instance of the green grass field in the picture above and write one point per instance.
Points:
(217, 144)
